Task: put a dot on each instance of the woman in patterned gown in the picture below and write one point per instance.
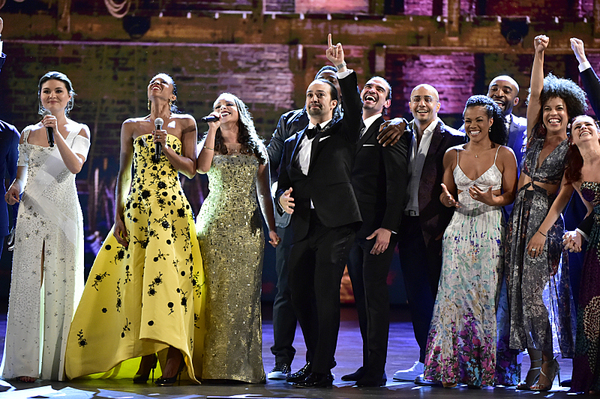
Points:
(231, 238)
(461, 346)
(143, 295)
(537, 269)
(583, 166)
(47, 270)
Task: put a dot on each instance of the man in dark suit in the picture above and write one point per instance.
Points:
(425, 218)
(9, 143)
(379, 178)
(315, 187)
(9, 152)
(504, 90)
(284, 318)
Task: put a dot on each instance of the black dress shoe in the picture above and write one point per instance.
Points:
(300, 375)
(372, 381)
(316, 380)
(357, 375)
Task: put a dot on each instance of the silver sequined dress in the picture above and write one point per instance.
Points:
(42, 301)
(231, 239)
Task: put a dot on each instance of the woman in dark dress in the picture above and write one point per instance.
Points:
(538, 284)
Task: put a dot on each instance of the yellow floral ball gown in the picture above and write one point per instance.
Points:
(144, 298)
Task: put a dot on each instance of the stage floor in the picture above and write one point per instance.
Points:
(402, 353)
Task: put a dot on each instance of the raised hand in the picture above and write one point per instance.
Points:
(335, 54)
(540, 43)
(578, 50)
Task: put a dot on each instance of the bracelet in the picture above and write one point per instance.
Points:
(338, 67)
(212, 149)
(541, 233)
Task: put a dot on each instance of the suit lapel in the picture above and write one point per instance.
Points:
(315, 144)
(299, 138)
(436, 138)
(370, 131)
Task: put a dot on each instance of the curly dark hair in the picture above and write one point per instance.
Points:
(247, 136)
(574, 160)
(498, 133)
(565, 89)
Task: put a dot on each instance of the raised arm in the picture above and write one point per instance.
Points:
(540, 43)
(207, 149)
(589, 79)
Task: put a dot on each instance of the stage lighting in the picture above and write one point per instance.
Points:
(136, 26)
(514, 30)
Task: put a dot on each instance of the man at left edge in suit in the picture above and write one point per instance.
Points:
(315, 187)
(380, 179)
(9, 153)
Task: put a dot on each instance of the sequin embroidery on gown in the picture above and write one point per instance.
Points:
(144, 298)
(49, 217)
(231, 237)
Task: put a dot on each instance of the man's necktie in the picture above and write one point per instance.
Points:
(311, 133)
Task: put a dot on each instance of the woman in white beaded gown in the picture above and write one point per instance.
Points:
(47, 271)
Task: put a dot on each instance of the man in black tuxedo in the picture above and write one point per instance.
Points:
(379, 178)
(315, 187)
(425, 218)
(284, 317)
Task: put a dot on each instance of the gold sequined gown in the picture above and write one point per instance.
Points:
(144, 298)
(231, 239)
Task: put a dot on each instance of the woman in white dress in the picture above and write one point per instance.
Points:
(47, 271)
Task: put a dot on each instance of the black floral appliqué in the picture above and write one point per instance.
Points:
(98, 279)
(81, 339)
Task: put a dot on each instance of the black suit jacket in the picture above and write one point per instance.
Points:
(433, 215)
(591, 85)
(379, 177)
(9, 153)
(329, 180)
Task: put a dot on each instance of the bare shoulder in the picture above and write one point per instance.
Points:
(506, 153)
(82, 128)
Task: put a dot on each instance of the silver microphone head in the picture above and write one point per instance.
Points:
(158, 123)
(46, 112)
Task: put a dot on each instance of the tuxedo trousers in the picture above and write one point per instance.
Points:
(284, 317)
(368, 274)
(317, 263)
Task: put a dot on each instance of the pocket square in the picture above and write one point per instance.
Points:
(368, 145)
(323, 138)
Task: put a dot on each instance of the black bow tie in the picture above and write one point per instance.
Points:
(311, 133)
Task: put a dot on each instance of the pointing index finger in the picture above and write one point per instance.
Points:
(329, 41)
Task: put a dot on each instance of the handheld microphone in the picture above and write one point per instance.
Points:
(210, 118)
(49, 130)
(158, 124)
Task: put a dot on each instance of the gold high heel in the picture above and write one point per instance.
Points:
(554, 369)
(141, 378)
